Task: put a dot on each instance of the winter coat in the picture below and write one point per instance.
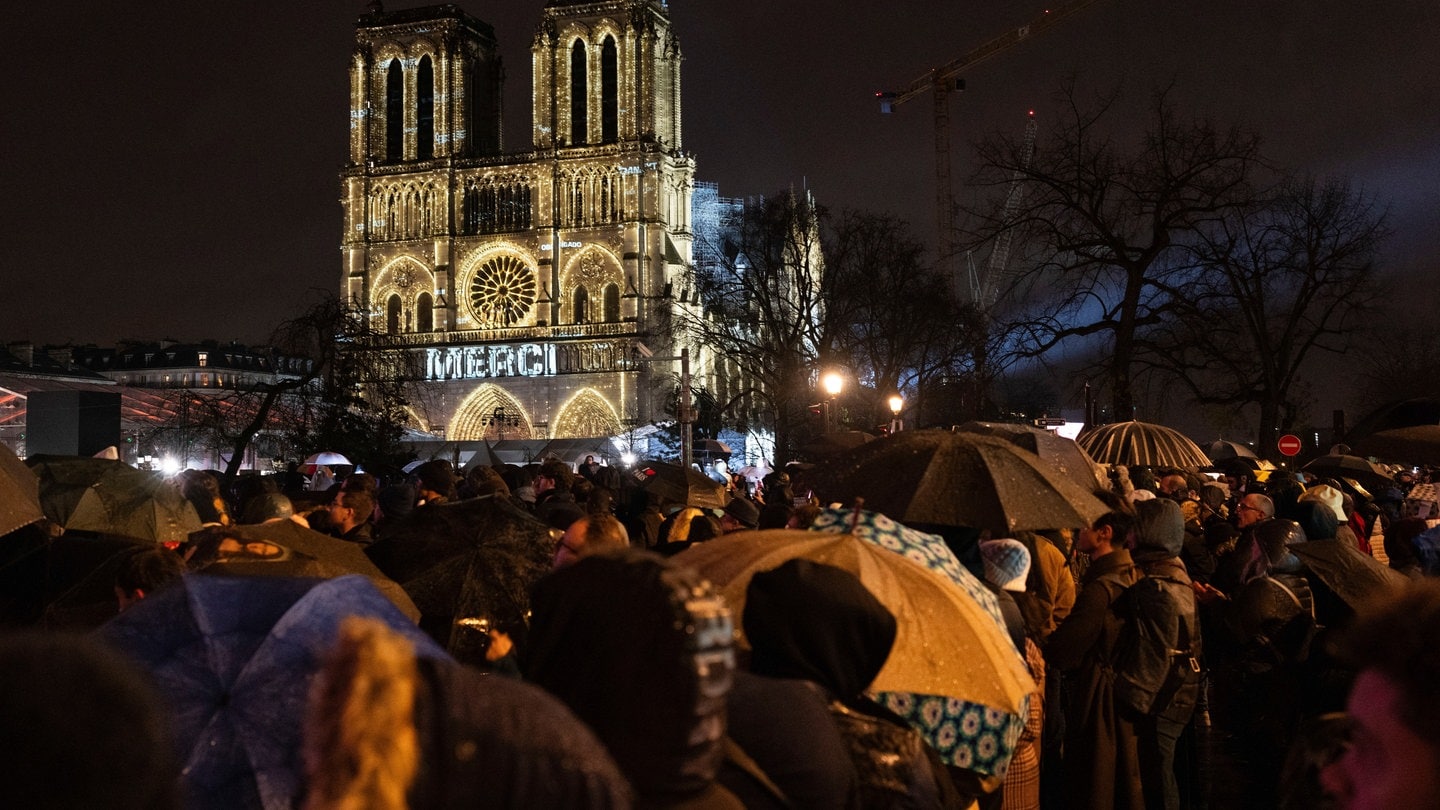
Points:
(1101, 757)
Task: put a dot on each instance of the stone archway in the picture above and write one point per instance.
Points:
(489, 413)
(586, 414)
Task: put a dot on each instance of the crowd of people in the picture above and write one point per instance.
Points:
(1287, 628)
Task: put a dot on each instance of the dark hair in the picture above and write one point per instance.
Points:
(559, 472)
(1399, 637)
(360, 500)
(203, 491)
(148, 568)
(1122, 526)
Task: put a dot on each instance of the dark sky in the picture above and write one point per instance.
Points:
(170, 169)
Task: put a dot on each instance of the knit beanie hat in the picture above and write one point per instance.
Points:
(1007, 563)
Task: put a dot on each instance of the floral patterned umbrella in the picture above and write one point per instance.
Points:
(966, 734)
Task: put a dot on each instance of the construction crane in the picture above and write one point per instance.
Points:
(985, 288)
(941, 81)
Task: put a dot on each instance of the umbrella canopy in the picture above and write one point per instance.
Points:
(234, 657)
(945, 644)
(755, 472)
(1367, 473)
(1424, 412)
(712, 448)
(1142, 444)
(837, 441)
(284, 548)
(681, 485)
(468, 565)
(959, 479)
(109, 497)
(978, 737)
(19, 493)
(1352, 574)
(1417, 444)
(1220, 449)
(1060, 454)
(328, 459)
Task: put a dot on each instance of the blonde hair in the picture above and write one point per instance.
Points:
(680, 529)
(361, 751)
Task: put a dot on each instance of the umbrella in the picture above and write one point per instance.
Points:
(284, 548)
(328, 459)
(755, 472)
(234, 657)
(1352, 574)
(681, 485)
(99, 495)
(468, 566)
(945, 644)
(1423, 412)
(1416, 444)
(1366, 472)
(1062, 455)
(971, 735)
(712, 448)
(838, 441)
(1141, 444)
(19, 493)
(1220, 449)
(960, 479)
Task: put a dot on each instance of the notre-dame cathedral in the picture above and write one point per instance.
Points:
(521, 284)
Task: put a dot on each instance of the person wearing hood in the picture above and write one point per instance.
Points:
(1159, 537)
(816, 623)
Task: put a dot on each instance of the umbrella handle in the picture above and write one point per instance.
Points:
(855, 518)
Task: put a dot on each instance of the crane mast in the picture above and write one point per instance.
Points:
(941, 81)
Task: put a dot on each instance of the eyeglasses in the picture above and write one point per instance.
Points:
(1242, 507)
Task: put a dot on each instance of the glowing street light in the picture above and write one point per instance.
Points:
(897, 404)
(833, 383)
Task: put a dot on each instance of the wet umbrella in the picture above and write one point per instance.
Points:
(959, 479)
(945, 644)
(19, 493)
(1220, 450)
(981, 738)
(234, 657)
(284, 548)
(1141, 444)
(1062, 455)
(712, 448)
(328, 459)
(838, 441)
(1352, 574)
(1369, 474)
(100, 495)
(1417, 444)
(681, 485)
(468, 565)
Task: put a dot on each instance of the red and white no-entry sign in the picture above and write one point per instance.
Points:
(1289, 444)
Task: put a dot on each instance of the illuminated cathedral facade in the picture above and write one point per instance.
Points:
(524, 288)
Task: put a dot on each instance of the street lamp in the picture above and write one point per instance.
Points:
(832, 383)
(897, 404)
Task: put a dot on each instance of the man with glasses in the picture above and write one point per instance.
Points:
(1253, 508)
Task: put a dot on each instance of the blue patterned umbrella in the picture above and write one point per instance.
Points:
(965, 734)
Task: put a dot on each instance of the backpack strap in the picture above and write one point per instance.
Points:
(737, 756)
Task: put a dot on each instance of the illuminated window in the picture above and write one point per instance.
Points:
(204, 379)
(394, 112)
(425, 110)
(204, 358)
(392, 315)
(609, 93)
(577, 94)
(425, 318)
(612, 303)
(582, 304)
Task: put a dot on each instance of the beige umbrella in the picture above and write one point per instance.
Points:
(1142, 444)
(19, 493)
(945, 643)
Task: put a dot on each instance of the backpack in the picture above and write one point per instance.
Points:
(1155, 661)
(1272, 620)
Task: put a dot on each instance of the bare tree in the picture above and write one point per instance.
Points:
(1104, 225)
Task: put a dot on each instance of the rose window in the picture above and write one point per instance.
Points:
(502, 291)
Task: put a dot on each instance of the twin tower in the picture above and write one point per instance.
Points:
(518, 283)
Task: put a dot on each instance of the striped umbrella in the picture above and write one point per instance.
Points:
(1141, 444)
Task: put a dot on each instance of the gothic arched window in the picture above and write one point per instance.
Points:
(609, 92)
(424, 314)
(612, 303)
(394, 112)
(392, 315)
(578, 94)
(582, 305)
(425, 110)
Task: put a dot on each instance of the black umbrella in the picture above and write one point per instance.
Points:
(1353, 575)
(1220, 450)
(1370, 475)
(468, 566)
(681, 485)
(1062, 455)
(100, 495)
(19, 493)
(960, 479)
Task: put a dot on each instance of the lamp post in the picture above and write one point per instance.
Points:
(897, 404)
(832, 383)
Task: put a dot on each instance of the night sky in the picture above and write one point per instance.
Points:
(170, 169)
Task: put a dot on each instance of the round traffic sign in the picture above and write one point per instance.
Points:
(1289, 444)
